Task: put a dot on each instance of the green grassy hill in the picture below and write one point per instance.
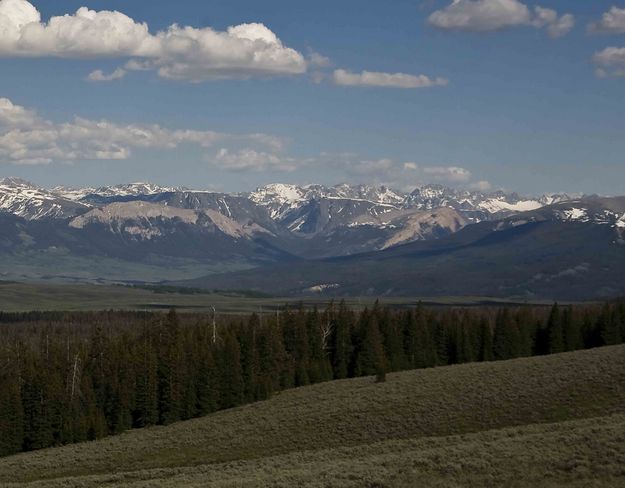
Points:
(546, 421)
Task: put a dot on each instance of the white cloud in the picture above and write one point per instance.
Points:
(610, 62)
(480, 186)
(448, 174)
(493, 15)
(179, 52)
(15, 116)
(562, 26)
(556, 26)
(251, 160)
(99, 75)
(395, 174)
(612, 22)
(27, 138)
(385, 80)
(481, 15)
(318, 60)
(367, 168)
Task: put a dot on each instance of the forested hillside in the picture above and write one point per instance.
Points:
(68, 378)
(547, 421)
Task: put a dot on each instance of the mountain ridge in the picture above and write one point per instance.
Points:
(145, 232)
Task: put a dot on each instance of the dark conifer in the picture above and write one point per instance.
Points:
(555, 333)
(341, 340)
(371, 358)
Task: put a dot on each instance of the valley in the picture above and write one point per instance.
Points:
(345, 240)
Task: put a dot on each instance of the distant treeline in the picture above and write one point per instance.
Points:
(73, 377)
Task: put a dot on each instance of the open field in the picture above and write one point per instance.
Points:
(22, 297)
(544, 421)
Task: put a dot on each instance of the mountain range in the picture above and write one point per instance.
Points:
(289, 239)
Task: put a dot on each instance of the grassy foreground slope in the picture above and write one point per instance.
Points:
(469, 424)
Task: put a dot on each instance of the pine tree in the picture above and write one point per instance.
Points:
(371, 358)
(207, 384)
(392, 335)
(571, 329)
(506, 338)
(38, 433)
(318, 330)
(555, 334)
(11, 414)
(297, 345)
(168, 370)
(146, 383)
(230, 372)
(486, 341)
(526, 326)
(341, 340)
(609, 327)
(250, 366)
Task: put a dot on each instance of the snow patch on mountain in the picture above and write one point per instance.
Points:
(576, 214)
(496, 205)
(22, 198)
(322, 288)
(281, 199)
(134, 189)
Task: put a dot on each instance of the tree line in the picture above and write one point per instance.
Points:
(68, 378)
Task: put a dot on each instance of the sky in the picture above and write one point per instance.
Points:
(232, 95)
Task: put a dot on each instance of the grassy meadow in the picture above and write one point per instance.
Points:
(24, 297)
(544, 421)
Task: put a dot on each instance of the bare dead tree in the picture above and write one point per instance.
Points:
(326, 332)
(214, 324)
(76, 373)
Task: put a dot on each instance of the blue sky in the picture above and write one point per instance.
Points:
(506, 100)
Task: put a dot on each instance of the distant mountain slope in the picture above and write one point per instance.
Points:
(23, 199)
(139, 222)
(509, 423)
(569, 250)
(132, 241)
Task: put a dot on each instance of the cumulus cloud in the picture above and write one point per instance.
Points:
(481, 15)
(179, 52)
(557, 26)
(493, 15)
(482, 185)
(448, 174)
(28, 138)
(385, 80)
(99, 75)
(318, 60)
(612, 22)
(610, 62)
(370, 167)
(395, 173)
(251, 160)
(15, 116)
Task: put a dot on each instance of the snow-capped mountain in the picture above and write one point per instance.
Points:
(21, 198)
(281, 199)
(477, 206)
(149, 226)
(123, 190)
(572, 250)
